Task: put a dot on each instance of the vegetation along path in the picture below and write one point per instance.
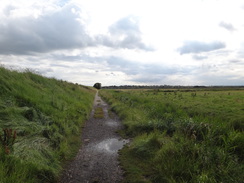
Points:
(96, 160)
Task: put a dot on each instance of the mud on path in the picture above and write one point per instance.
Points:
(97, 159)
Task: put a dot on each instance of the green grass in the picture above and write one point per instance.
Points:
(48, 115)
(181, 135)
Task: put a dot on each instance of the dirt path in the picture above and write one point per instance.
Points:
(96, 160)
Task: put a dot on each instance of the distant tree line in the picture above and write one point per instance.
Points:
(167, 87)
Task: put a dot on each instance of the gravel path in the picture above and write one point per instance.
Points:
(96, 161)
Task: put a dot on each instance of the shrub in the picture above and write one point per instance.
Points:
(97, 85)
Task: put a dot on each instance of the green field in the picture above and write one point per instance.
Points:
(177, 135)
(47, 115)
(190, 135)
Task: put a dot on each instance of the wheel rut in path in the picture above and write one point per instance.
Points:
(97, 159)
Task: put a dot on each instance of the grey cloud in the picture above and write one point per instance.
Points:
(7, 10)
(120, 64)
(59, 65)
(53, 31)
(227, 26)
(133, 68)
(198, 47)
(44, 71)
(128, 24)
(142, 73)
(145, 73)
(236, 61)
(62, 29)
(220, 80)
(124, 33)
(113, 63)
(153, 79)
(160, 74)
(155, 69)
(65, 57)
(199, 57)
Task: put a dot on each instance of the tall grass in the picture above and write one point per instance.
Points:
(181, 135)
(48, 115)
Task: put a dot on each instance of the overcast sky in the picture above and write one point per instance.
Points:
(124, 42)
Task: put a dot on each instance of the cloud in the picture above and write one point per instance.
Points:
(236, 61)
(153, 79)
(241, 51)
(61, 28)
(124, 33)
(227, 26)
(146, 73)
(56, 30)
(8, 9)
(123, 65)
(199, 57)
(198, 47)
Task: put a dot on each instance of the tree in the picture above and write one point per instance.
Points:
(97, 86)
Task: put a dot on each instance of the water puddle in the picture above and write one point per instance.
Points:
(112, 123)
(111, 145)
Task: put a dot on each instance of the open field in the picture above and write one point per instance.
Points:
(47, 115)
(178, 135)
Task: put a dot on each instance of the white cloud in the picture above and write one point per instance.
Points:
(124, 33)
(199, 57)
(113, 41)
(198, 47)
(227, 26)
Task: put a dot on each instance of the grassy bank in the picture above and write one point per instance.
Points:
(181, 135)
(47, 115)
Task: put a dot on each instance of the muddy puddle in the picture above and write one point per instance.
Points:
(112, 123)
(109, 145)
